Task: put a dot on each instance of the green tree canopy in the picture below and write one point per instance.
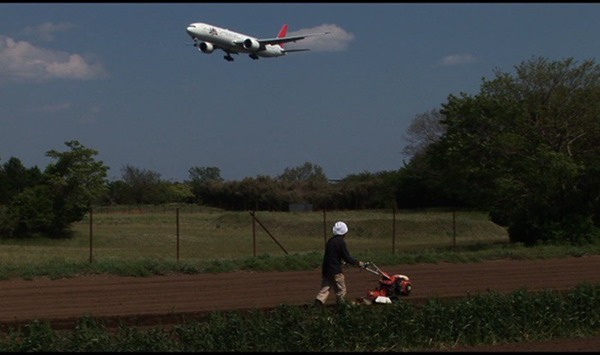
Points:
(204, 174)
(526, 147)
(142, 185)
(307, 172)
(15, 177)
(62, 195)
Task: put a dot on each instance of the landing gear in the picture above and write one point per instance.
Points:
(228, 58)
(253, 56)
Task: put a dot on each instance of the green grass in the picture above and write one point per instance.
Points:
(132, 241)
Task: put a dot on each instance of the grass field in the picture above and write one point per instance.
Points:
(158, 240)
(214, 234)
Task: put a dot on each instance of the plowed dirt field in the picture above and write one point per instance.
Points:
(148, 301)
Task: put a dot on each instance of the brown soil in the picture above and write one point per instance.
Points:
(149, 301)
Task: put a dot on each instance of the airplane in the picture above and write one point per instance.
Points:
(207, 38)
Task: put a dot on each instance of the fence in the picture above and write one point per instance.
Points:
(370, 230)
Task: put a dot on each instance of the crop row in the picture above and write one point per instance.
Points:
(489, 318)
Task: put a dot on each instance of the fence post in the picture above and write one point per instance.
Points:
(269, 233)
(91, 213)
(394, 228)
(177, 222)
(253, 233)
(453, 229)
(324, 228)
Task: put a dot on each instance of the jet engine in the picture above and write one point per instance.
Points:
(251, 44)
(205, 47)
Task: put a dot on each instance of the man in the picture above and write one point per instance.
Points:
(331, 273)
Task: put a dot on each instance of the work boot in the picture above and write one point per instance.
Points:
(318, 303)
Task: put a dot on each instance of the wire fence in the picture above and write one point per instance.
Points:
(291, 232)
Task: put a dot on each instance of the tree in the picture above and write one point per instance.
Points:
(142, 185)
(202, 175)
(307, 172)
(116, 193)
(526, 147)
(424, 130)
(304, 183)
(420, 183)
(76, 180)
(369, 190)
(178, 192)
(31, 212)
(14, 178)
(204, 182)
(63, 195)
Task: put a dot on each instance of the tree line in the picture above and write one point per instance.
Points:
(302, 184)
(525, 148)
(48, 202)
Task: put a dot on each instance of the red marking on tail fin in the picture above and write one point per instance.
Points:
(282, 33)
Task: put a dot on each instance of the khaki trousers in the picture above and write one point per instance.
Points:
(337, 283)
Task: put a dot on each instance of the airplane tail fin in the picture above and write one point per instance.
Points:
(282, 33)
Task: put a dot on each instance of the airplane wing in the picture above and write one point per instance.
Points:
(295, 50)
(278, 40)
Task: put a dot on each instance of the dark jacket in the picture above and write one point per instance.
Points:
(335, 252)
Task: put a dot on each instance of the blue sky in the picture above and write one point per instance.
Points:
(119, 78)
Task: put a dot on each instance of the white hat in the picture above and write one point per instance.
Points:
(340, 228)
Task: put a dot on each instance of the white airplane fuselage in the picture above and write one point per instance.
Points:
(208, 38)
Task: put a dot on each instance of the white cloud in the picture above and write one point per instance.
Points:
(20, 61)
(47, 30)
(458, 59)
(335, 41)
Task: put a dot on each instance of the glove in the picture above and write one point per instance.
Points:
(362, 264)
